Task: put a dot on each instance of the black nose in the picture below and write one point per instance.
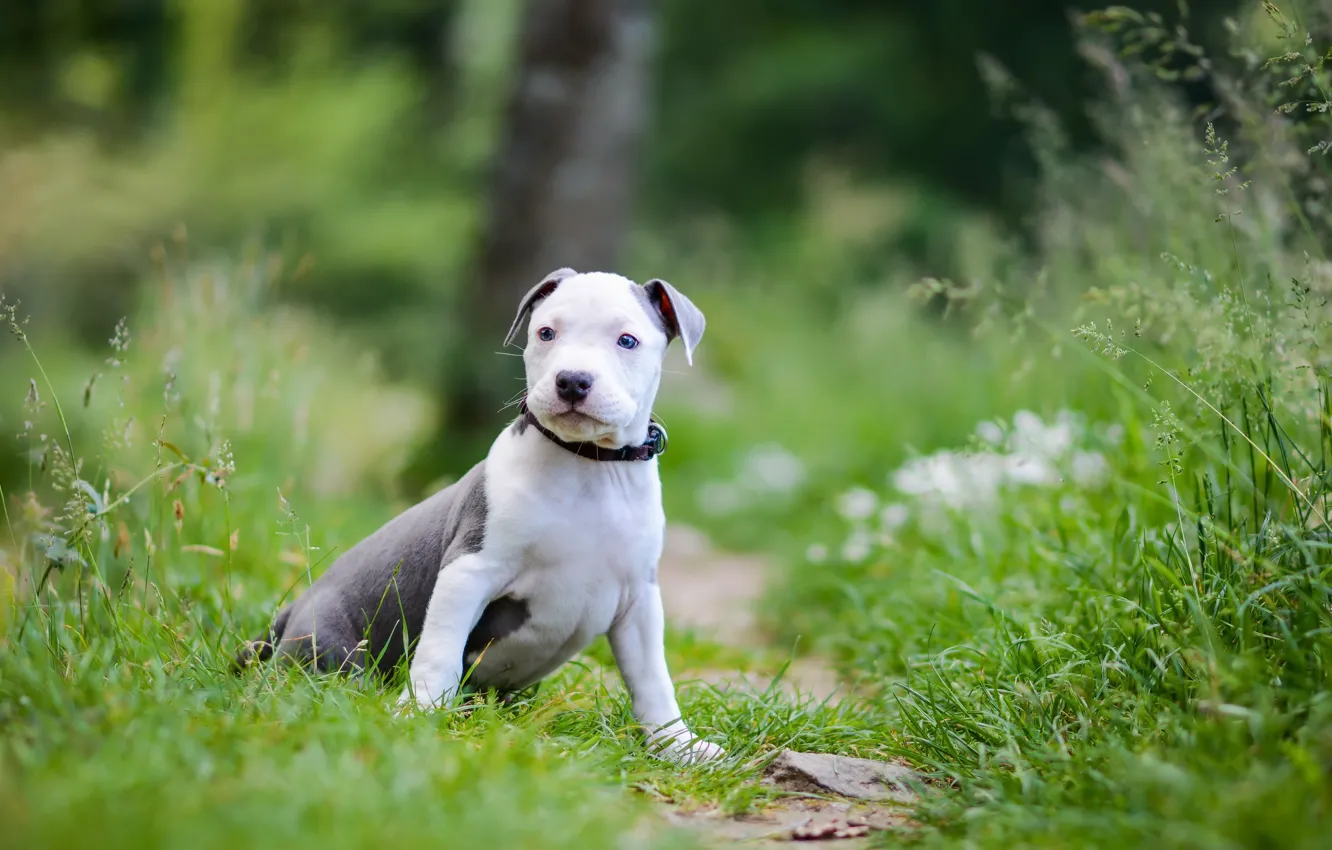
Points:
(573, 387)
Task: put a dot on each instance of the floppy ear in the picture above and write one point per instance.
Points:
(535, 294)
(682, 318)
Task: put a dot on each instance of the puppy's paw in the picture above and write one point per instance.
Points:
(698, 750)
(415, 698)
(678, 744)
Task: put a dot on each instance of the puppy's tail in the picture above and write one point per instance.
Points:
(261, 648)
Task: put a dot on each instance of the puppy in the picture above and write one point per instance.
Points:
(550, 541)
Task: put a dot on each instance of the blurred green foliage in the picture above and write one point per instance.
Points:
(276, 125)
(750, 89)
(360, 134)
(1135, 660)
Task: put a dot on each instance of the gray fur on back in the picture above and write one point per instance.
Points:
(378, 591)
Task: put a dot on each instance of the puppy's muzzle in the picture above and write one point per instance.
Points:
(572, 386)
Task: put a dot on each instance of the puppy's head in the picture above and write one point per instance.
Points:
(595, 344)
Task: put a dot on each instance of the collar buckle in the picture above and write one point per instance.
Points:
(656, 438)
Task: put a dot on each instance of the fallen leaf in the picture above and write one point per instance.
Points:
(833, 829)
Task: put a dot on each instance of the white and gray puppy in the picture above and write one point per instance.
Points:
(548, 543)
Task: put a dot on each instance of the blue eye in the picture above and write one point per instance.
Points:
(627, 341)
(546, 334)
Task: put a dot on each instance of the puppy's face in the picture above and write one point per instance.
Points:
(595, 344)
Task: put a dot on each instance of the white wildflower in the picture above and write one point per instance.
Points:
(1088, 468)
(772, 468)
(1034, 438)
(1033, 454)
(955, 480)
(857, 504)
(894, 516)
(1030, 469)
(991, 433)
(857, 547)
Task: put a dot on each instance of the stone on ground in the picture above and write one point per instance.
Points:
(845, 776)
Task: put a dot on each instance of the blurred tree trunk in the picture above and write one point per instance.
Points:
(561, 194)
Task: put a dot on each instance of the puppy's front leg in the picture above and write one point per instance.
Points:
(461, 593)
(637, 640)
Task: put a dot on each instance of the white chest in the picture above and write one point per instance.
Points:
(581, 537)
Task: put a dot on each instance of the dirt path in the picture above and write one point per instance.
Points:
(716, 594)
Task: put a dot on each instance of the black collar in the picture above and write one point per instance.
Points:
(655, 445)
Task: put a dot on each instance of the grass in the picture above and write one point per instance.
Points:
(1110, 629)
(223, 470)
(160, 756)
(1140, 661)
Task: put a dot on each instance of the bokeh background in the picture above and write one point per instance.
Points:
(1016, 378)
(404, 170)
(415, 164)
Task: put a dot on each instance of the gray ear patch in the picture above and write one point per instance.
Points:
(679, 314)
(535, 294)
